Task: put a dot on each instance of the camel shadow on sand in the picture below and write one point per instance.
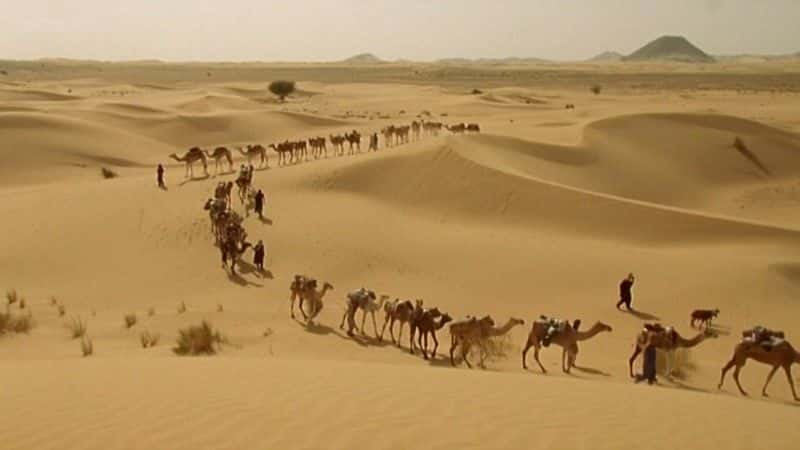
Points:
(591, 371)
(324, 330)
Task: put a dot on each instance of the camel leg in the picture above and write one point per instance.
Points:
(633, 357)
(292, 308)
(399, 334)
(528, 346)
(383, 329)
(465, 353)
(788, 369)
(536, 357)
(435, 346)
(374, 324)
(725, 370)
(413, 331)
(423, 347)
(769, 378)
(564, 367)
(363, 319)
(736, 377)
(453, 344)
(344, 316)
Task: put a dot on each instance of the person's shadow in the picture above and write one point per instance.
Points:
(641, 315)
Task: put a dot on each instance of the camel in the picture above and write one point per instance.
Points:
(456, 129)
(338, 144)
(415, 130)
(365, 301)
(396, 311)
(473, 128)
(317, 147)
(223, 192)
(430, 327)
(666, 339)
(420, 319)
(190, 157)
(255, 151)
(230, 249)
(477, 332)
(299, 284)
(432, 128)
(353, 138)
(388, 135)
(218, 155)
(244, 182)
(314, 298)
(464, 332)
(567, 338)
(282, 149)
(778, 354)
(401, 134)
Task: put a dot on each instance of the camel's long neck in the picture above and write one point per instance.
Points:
(177, 158)
(504, 329)
(594, 331)
(689, 343)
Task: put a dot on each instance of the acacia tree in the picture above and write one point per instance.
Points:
(281, 88)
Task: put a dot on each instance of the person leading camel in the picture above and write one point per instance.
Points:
(259, 200)
(625, 296)
(258, 256)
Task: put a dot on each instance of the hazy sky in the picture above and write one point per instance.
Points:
(312, 30)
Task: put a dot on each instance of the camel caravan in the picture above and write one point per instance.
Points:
(473, 333)
(295, 152)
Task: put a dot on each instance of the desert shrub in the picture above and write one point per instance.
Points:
(596, 89)
(682, 363)
(15, 323)
(61, 310)
(197, 340)
(12, 296)
(108, 173)
(130, 320)
(739, 144)
(282, 88)
(148, 339)
(87, 348)
(476, 92)
(77, 327)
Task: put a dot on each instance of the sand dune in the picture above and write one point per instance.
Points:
(521, 220)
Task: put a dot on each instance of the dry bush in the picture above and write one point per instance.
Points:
(681, 363)
(12, 323)
(476, 92)
(149, 340)
(130, 320)
(182, 308)
(22, 303)
(61, 310)
(77, 327)
(108, 173)
(596, 89)
(197, 340)
(86, 346)
(498, 347)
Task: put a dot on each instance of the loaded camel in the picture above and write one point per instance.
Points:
(231, 249)
(564, 335)
(776, 352)
(314, 298)
(219, 155)
(282, 149)
(253, 152)
(420, 318)
(428, 327)
(365, 301)
(396, 311)
(193, 155)
(353, 139)
(477, 332)
(665, 339)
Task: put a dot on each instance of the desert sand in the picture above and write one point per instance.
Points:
(543, 212)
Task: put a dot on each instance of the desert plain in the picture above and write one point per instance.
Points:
(541, 213)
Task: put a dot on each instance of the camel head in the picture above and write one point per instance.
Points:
(434, 312)
(516, 321)
(445, 319)
(327, 286)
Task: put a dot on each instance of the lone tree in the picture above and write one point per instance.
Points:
(281, 88)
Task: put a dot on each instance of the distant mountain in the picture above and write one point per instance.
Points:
(492, 61)
(669, 48)
(607, 56)
(363, 58)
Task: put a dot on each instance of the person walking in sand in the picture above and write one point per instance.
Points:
(259, 199)
(160, 173)
(258, 257)
(625, 296)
